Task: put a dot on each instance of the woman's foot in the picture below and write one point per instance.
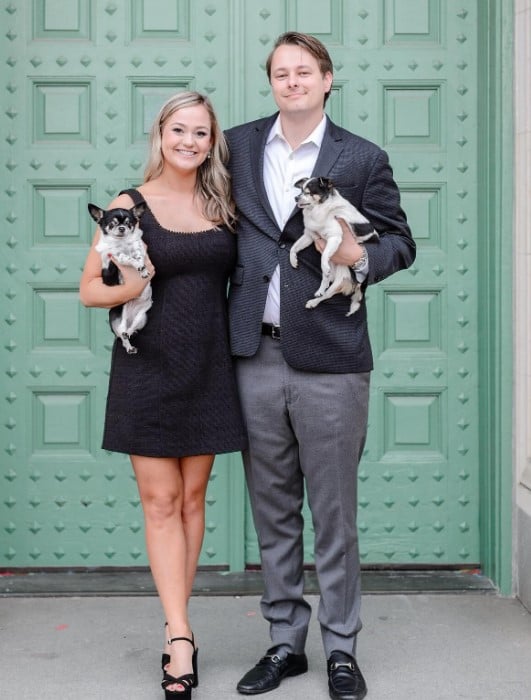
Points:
(181, 665)
(165, 660)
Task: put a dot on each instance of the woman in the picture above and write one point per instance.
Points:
(174, 404)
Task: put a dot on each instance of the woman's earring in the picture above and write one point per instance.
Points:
(208, 154)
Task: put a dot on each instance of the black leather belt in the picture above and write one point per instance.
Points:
(271, 331)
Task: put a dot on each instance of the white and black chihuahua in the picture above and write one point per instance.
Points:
(321, 206)
(121, 239)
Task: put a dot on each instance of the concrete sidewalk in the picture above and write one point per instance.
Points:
(412, 647)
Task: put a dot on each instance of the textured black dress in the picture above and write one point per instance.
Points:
(177, 396)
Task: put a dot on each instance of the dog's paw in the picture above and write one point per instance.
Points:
(312, 303)
(131, 350)
(293, 260)
(144, 272)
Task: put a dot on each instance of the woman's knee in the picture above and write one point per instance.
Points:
(162, 507)
(193, 504)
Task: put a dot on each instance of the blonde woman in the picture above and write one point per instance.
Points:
(174, 404)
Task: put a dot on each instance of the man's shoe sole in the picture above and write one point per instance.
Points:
(335, 696)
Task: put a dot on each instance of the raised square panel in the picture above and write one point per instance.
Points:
(325, 24)
(60, 215)
(413, 426)
(59, 320)
(412, 114)
(67, 19)
(412, 22)
(335, 103)
(168, 19)
(147, 97)
(424, 207)
(412, 320)
(62, 111)
(60, 421)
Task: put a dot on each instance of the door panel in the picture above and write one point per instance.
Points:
(82, 83)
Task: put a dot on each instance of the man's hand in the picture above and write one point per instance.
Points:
(349, 251)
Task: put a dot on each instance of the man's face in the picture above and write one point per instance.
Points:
(297, 83)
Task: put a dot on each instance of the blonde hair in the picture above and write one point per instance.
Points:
(213, 180)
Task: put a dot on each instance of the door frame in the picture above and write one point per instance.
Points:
(495, 323)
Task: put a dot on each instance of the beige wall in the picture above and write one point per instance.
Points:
(522, 310)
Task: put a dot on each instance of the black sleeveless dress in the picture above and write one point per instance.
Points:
(177, 396)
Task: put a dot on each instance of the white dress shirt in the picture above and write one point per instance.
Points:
(283, 166)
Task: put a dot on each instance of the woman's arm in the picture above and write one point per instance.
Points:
(93, 291)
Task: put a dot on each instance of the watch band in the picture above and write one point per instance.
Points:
(359, 264)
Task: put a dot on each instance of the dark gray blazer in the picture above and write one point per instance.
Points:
(321, 339)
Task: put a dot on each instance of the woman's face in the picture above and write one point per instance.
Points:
(186, 138)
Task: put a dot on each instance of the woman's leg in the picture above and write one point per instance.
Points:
(173, 546)
(195, 472)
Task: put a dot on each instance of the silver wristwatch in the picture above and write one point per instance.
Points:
(360, 264)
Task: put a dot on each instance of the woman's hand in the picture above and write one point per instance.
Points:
(133, 282)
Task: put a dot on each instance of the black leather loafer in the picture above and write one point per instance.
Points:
(345, 681)
(270, 670)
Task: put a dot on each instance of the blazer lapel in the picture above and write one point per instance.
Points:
(257, 149)
(331, 147)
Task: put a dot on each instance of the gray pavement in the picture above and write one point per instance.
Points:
(412, 647)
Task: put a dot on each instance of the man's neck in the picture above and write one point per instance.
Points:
(297, 128)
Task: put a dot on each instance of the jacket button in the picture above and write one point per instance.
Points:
(282, 245)
(266, 278)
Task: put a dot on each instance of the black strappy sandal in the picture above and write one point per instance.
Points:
(165, 660)
(187, 680)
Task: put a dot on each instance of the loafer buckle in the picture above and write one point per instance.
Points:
(336, 664)
(275, 658)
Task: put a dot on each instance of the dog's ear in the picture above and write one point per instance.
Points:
(95, 212)
(138, 210)
(326, 183)
(300, 183)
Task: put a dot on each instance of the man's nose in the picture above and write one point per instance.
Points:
(293, 79)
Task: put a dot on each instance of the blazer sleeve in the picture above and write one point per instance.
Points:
(380, 202)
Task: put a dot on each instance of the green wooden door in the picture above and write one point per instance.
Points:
(82, 82)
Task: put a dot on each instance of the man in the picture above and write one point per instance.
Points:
(304, 373)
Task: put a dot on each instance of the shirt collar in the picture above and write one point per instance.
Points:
(316, 137)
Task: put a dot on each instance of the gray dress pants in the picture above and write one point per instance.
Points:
(308, 429)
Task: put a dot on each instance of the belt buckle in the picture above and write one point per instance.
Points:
(275, 332)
